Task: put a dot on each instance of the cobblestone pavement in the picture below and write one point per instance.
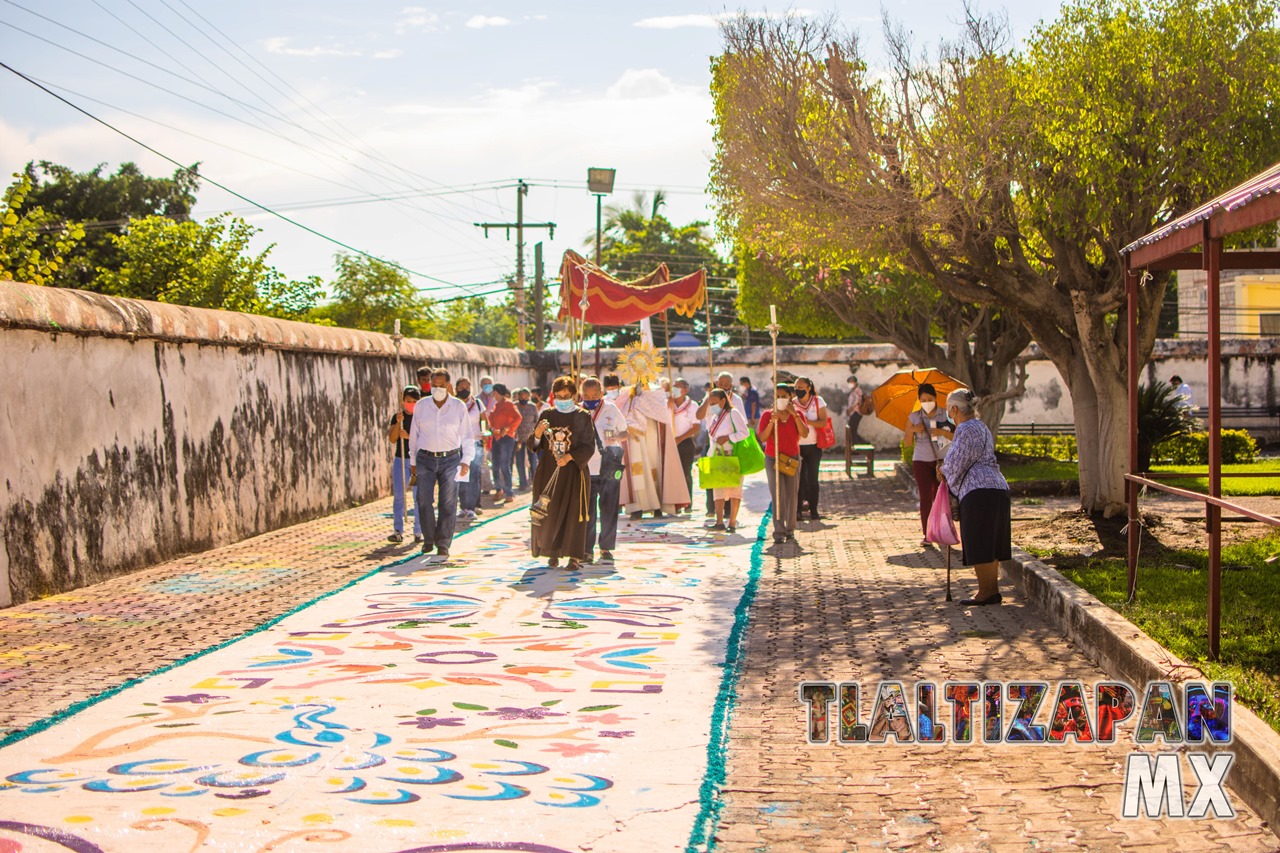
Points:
(66, 648)
(861, 601)
(857, 599)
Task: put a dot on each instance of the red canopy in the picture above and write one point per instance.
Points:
(611, 302)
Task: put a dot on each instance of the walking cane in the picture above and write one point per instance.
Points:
(774, 328)
(948, 573)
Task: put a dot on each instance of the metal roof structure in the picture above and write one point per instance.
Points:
(1254, 202)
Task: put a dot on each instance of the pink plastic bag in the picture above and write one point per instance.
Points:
(941, 529)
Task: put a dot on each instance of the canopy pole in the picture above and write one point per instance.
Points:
(774, 328)
(666, 331)
(711, 366)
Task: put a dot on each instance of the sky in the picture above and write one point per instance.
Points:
(393, 128)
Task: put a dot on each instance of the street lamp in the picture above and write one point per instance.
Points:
(599, 183)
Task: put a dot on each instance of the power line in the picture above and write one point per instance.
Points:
(331, 122)
(453, 222)
(223, 187)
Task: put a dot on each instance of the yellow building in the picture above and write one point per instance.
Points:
(1250, 304)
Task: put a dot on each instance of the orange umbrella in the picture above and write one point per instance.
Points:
(896, 398)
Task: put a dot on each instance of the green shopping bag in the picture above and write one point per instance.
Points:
(718, 472)
(749, 454)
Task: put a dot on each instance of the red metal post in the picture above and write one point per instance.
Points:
(1213, 514)
(1131, 489)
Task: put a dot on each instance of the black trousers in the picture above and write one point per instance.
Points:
(688, 452)
(810, 458)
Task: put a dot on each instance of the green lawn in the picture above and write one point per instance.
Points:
(1040, 469)
(1048, 469)
(1171, 607)
(1240, 486)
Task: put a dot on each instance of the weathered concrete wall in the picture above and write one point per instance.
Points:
(1249, 376)
(133, 432)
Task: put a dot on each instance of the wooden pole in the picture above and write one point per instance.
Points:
(666, 331)
(711, 359)
(777, 475)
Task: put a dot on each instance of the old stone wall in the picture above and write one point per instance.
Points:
(1249, 376)
(133, 431)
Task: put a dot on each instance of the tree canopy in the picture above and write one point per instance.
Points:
(1009, 178)
(104, 205)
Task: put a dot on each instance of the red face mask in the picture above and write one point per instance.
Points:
(408, 406)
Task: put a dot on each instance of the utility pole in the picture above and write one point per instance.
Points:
(539, 318)
(522, 190)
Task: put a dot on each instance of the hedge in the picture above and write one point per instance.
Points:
(1238, 447)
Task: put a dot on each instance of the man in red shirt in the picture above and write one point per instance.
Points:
(504, 420)
(781, 429)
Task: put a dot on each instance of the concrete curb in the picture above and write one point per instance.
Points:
(1117, 646)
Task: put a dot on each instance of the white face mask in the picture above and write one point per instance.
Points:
(784, 403)
(677, 392)
(438, 393)
(611, 394)
(928, 407)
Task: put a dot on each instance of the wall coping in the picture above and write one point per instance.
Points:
(78, 312)
(62, 311)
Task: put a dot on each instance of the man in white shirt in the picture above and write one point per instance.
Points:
(441, 445)
(1186, 400)
(685, 425)
(611, 427)
(725, 382)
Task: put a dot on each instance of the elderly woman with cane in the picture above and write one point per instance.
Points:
(973, 475)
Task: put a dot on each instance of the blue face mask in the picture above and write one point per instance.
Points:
(590, 405)
(488, 389)
(565, 406)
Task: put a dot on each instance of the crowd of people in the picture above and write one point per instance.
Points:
(592, 452)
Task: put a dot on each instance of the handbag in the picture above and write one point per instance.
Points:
(787, 465)
(940, 529)
(825, 435)
(719, 472)
(749, 454)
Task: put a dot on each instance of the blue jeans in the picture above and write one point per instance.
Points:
(438, 522)
(603, 509)
(523, 454)
(399, 477)
(503, 455)
(469, 491)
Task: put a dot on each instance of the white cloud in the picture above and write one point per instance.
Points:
(675, 22)
(535, 17)
(280, 45)
(388, 54)
(480, 21)
(642, 83)
(417, 19)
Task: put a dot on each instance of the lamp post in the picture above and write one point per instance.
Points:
(599, 184)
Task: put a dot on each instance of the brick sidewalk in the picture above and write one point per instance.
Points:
(66, 648)
(863, 603)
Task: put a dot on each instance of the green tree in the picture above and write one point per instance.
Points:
(475, 321)
(638, 238)
(33, 243)
(1011, 179)
(206, 265)
(371, 294)
(889, 303)
(106, 204)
